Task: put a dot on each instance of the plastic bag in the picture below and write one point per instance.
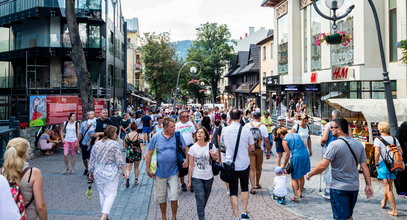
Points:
(153, 162)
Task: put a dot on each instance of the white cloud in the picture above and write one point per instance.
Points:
(181, 17)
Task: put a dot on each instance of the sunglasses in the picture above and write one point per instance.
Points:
(334, 127)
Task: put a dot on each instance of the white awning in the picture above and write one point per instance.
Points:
(331, 95)
(373, 110)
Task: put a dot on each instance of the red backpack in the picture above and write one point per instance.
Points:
(218, 116)
(18, 196)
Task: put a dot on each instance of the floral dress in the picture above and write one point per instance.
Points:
(134, 151)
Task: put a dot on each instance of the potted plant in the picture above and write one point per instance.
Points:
(340, 37)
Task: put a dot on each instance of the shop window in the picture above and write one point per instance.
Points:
(354, 86)
(378, 95)
(316, 24)
(366, 86)
(69, 75)
(377, 86)
(283, 45)
(393, 29)
(365, 95)
(353, 95)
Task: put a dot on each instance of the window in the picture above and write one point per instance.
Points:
(69, 75)
(271, 50)
(316, 23)
(341, 55)
(283, 45)
(264, 52)
(305, 52)
(393, 29)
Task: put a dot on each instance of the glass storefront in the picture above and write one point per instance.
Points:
(341, 55)
(316, 24)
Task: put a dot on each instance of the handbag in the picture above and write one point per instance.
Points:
(228, 167)
(216, 167)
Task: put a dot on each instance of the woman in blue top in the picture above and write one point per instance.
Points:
(293, 145)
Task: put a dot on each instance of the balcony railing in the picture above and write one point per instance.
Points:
(15, 6)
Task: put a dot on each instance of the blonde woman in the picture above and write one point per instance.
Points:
(16, 170)
(105, 163)
(382, 172)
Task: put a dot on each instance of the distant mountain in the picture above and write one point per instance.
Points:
(182, 48)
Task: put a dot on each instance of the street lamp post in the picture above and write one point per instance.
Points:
(193, 71)
(334, 5)
(210, 86)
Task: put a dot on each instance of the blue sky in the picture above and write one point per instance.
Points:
(181, 17)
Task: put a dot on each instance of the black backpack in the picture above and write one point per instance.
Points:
(180, 155)
(258, 138)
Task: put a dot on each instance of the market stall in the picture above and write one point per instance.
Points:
(366, 114)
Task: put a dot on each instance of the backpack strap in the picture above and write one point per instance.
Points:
(298, 128)
(237, 143)
(29, 178)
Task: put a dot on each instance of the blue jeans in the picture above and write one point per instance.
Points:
(202, 189)
(342, 203)
(271, 141)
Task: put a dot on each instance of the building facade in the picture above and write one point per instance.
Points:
(267, 68)
(35, 47)
(316, 73)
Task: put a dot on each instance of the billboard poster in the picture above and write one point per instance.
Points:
(38, 110)
(59, 107)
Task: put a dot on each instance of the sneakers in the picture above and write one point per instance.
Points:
(325, 195)
(244, 216)
(281, 201)
(184, 187)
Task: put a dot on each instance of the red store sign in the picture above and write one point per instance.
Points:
(341, 72)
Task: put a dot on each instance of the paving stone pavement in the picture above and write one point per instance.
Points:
(65, 194)
(65, 197)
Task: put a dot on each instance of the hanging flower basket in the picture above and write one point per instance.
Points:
(202, 90)
(334, 38)
(194, 81)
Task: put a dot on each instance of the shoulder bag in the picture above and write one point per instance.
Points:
(228, 167)
(216, 167)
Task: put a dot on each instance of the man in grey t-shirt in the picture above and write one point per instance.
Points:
(344, 155)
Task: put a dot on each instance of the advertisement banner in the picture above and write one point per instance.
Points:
(38, 110)
(59, 108)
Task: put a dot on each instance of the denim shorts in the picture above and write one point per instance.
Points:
(343, 202)
(146, 130)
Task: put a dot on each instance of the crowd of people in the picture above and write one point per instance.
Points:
(185, 148)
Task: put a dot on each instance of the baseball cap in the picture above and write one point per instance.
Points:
(278, 170)
(280, 118)
(256, 114)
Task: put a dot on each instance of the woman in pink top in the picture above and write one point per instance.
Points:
(70, 134)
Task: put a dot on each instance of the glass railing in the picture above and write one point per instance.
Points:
(15, 6)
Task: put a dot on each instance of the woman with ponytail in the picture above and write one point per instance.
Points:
(16, 170)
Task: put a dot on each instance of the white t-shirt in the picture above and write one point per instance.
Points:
(139, 123)
(70, 132)
(202, 163)
(197, 115)
(280, 186)
(229, 138)
(303, 132)
(8, 208)
(383, 148)
(186, 130)
(93, 123)
(263, 131)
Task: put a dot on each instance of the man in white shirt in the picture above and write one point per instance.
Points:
(8, 208)
(242, 162)
(187, 129)
(261, 138)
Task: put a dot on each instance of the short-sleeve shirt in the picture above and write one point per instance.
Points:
(125, 124)
(263, 131)
(186, 130)
(44, 137)
(116, 120)
(84, 126)
(383, 148)
(345, 175)
(229, 138)
(202, 161)
(167, 161)
(265, 121)
(146, 121)
(139, 123)
(101, 125)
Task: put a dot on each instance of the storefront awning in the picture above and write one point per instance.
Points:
(373, 110)
(331, 94)
(143, 98)
(256, 88)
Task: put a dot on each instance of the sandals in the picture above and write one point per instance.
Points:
(252, 191)
(66, 171)
(136, 182)
(393, 213)
(294, 199)
(258, 186)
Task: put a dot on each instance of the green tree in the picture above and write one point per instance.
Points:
(403, 45)
(161, 66)
(79, 60)
(212, 49)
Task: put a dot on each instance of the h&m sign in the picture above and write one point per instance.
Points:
(342, 73)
